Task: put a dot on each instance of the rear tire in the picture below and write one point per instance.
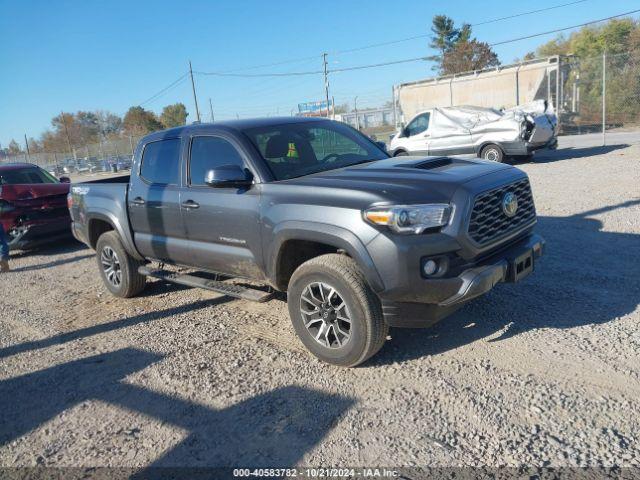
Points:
(400, 153)
(118, 269)
(492, 152)
(323, 294)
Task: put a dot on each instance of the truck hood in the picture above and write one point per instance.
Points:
(405, 179)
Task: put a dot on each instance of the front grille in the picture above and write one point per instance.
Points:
(489, 222)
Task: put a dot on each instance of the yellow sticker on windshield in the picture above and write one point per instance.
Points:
(293, 151)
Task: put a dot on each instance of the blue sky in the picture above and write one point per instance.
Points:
(87, 55)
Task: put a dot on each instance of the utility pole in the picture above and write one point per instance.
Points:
(355, 108)
(193, 87)
(26, 144)
(326, 81)
(66, 131)
(604, 98)
(211, 109)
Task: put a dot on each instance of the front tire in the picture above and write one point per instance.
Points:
(118, 269)
(492, 152)
(334, 312)
(400, 153)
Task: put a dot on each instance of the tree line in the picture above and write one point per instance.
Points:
(70, 131)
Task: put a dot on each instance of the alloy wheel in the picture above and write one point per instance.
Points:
(111, 266)
(325, 315)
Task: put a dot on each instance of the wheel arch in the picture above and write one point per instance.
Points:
(326, 239)
(486, 144)
(99, 222)
(399, 151)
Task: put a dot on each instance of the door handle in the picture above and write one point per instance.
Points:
(138, 201)
(190, 204)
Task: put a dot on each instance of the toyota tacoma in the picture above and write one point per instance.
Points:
(359, 241)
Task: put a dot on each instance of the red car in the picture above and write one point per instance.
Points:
(33, 205)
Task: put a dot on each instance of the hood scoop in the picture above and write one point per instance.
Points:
(435, 163)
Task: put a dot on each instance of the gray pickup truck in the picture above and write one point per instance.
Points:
(358, 240)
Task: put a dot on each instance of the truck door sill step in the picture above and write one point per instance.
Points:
(229, 289)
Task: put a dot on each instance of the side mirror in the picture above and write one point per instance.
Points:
(382, 146)
(64, 180)
(228, 176)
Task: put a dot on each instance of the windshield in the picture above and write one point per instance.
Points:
(297, 149)
(26, 176)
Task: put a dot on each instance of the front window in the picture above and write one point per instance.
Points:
(208, 153)
(418, 125)
(297, 149)
(26, 176)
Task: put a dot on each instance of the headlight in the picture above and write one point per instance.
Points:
(410, 218)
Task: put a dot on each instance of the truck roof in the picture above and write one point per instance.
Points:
(240, 124)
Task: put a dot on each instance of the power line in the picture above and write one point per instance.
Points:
(382, 64)
(275, 64)
(374, 65)
(565, 28)
(392, 42)
(527, 13)
(396, 62)
(425, 35)
(167, 88)
(260, 75)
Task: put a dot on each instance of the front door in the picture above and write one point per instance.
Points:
(417, 135)
(222, 224)
(154, 202)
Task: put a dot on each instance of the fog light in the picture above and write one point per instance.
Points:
(430, 267)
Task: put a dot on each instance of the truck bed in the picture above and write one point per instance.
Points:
(117, 179)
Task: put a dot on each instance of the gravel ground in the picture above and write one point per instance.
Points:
(543, 373)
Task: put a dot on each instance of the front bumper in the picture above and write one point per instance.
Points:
(36, 234)
(522, 148)
(441, 297)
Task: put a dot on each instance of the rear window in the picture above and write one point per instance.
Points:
(161, 162)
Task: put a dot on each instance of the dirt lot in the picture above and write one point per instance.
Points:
(546, 372)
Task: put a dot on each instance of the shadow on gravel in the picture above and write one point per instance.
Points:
(275, 428)
(587, 277)
(66, 245)
(108, 327)
(55, 263)
(568, 153)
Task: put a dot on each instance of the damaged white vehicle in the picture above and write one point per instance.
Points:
(486, 132)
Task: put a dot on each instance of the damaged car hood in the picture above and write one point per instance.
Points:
(36, 195)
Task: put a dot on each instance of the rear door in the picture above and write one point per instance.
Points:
(222, 224)
(154, 202)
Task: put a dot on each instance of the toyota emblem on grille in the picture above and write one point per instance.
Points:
(509, 204)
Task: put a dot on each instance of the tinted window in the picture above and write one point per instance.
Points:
(296, 149)
(418, 125)
(25, 176)
(161, 162)
(208, 153)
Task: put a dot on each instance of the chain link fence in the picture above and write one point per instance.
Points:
(109, 155)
